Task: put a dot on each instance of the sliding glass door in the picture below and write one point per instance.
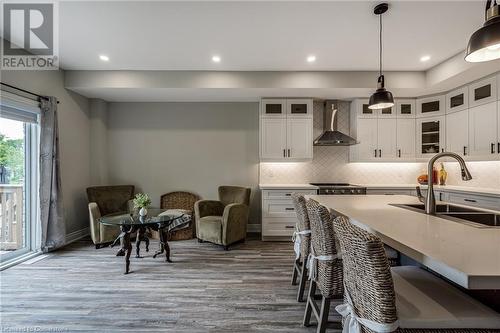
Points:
(18, 176)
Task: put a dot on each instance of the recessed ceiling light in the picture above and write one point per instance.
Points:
(311, 58)
(104, 57)
(425, 58)
(216, 58)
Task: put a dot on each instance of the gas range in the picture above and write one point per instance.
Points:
(339, 188)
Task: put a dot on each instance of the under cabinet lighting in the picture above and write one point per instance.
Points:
(216, 58)
(104, 57)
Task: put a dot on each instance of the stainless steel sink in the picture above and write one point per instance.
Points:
(475, 217)
(440, 208)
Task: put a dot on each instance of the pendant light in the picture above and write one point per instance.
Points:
(484, 44)
(382, 98)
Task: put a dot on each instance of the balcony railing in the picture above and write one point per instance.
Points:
(11, 217)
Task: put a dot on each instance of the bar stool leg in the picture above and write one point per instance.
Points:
(302, 281)
(323, 315)
(296, 264)
(309, 305)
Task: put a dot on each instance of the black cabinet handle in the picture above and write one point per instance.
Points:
(289, 227)
(284, 152)
(288, 152)
(288, 194)
(492, 148)
(470, 200)
(380, 153)
(465, 150)
(498, 147)
(442, 150)
(399, 152)
(375, 152)
(289, 208)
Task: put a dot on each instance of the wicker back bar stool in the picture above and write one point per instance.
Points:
(324, 265)
(302, 243)
(381, 299)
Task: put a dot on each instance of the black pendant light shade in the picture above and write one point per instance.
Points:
(484, 44)
(382, 98)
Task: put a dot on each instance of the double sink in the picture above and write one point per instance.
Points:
(474, 217)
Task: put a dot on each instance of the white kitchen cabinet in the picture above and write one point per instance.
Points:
(498, 129)
(457, 100)
(430, 135)
(278, 213)
(286, 136)
(361, 109)
(299, 138)
(483, 130)
(273, 143)
(299, 107)
(386, 138)
(431, 106)
(483, 91)
(405, 108)
(387, 112)
(367, 133)
(273, 107)
(457, 132)
(405, 138)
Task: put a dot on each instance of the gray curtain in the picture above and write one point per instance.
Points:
(51, 209)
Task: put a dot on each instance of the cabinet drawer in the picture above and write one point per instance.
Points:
(278, 226)
(284, 194)
(475, 200)
(278, 208)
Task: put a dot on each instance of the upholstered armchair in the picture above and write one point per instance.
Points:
(105, 200)
(223, 222)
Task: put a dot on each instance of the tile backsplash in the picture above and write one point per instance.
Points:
(331, 164)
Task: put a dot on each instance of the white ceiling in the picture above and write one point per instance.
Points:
(260, 35)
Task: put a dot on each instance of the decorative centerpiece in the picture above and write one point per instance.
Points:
(142, 202)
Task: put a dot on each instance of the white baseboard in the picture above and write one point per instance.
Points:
(76, 235)
(254, 228)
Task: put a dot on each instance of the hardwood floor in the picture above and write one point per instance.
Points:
(205, 289)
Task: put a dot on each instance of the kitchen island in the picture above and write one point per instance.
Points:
(465, 254)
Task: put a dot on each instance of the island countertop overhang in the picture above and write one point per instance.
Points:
(464, 254)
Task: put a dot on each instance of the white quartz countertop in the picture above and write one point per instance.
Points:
(467, 255)
(287, 186)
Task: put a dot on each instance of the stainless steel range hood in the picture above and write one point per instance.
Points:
(331, 136)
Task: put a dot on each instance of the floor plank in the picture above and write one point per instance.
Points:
(205, 289)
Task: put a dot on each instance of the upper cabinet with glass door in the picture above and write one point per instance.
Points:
(273, 107)
(457, 100)
(431, 106)
(362, 110)
(483, 92)
(299, 107)
(405, 108)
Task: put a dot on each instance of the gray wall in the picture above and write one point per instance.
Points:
(163, 147)
(74, 139)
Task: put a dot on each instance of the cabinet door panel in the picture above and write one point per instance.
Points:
(386, 138)
(457, 132)
(406, 138)
(430, 136)
(483, 92)
(299, 107)
(273, 107)
(367, 137)
(299, 138)
(483, 129)
(273, 138)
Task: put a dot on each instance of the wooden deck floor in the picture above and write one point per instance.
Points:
(205, 289)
